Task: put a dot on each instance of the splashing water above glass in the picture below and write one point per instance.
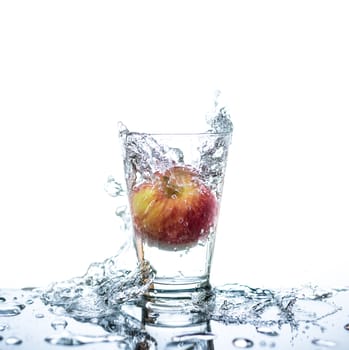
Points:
(107, 284)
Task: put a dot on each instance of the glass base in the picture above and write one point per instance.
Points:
(171, 302)
(177, 289)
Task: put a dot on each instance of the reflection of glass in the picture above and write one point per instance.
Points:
(174, 183)
(175, 329)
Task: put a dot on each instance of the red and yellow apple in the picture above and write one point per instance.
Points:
(174, 210)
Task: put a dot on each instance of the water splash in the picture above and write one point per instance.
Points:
(113, 187)
(218, 118)
(92, 297)
(101, 292)
(102, 289)
(263, 308)
(109, 284)
(140, 147)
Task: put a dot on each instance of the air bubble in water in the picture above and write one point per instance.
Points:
(39, 315)
(346, 327)
(2, 299)
(13, 341)
(242, 343)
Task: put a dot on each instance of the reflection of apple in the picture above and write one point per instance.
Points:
(174, 210)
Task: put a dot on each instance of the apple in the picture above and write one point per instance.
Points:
(174, 210)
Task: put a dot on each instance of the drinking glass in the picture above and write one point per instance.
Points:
(174, 184)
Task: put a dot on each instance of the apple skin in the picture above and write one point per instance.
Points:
(175, 210)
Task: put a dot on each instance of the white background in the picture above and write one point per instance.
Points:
(70, 70)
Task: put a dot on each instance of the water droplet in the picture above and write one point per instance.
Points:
(346, 327)
(113, 188)
(242, 343)
(3, 326)
(13, 341)
(323, 342)
(59, 324)
(39, 315)
(29, 301)
(2, 299)
(8, 310)
(267, 331)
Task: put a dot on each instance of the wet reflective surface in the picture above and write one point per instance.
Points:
(234, 317)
